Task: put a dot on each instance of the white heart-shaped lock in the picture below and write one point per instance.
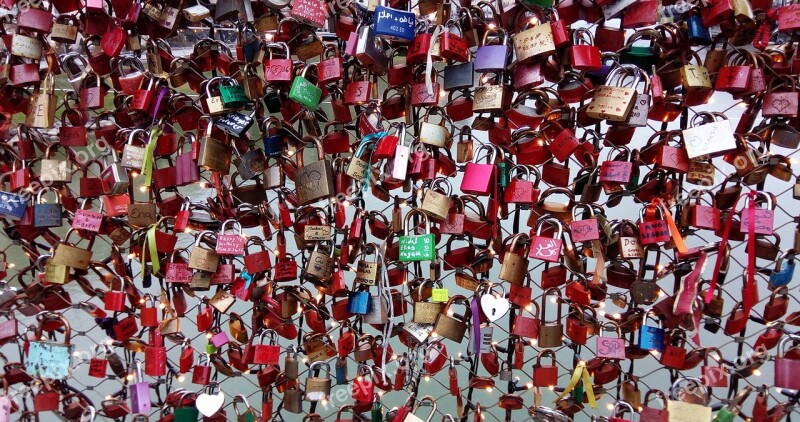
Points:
(494, 307)
(209, 404)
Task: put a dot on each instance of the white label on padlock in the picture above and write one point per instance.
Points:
(486, 339)
(419, 331)
(400, 162)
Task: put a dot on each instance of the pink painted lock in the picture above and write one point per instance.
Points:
(230, 244)
(478, 178)
(220, 339)
(547, 248)
(610, 347)
(87, 220)
(583, 230)
(763, 217)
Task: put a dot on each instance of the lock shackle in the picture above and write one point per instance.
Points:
(582, 35)
(491, 155)
(407, 219)
(240, 398)
(322, 364)
(201, 235)
(363, 370)
(138, 376)
(614, 327)
(88, 414)
(677, 387)
(273, 336)
(784, 341)
(618, 411)
(429, 399)
(232, 222)
(558, 301)
(305, 141)
(580, 206)
(708, 351)
(48, 189)
(648, 313)
(42, 317)
(552, 221)
(658, 393)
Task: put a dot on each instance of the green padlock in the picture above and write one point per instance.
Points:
(211, 349)
(305, 92)
(186, 414)
(729, 412)
(233, 95)
(417, 247)
(377, 410)
(502, 174)
(542, 3)
(645, 56)
(273, 101)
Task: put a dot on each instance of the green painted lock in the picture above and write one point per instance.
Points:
(643, 57)
(542, 3)
(417, 247)
(634, 183)
(724, 415)
(502, 177)
(186, 414)
(305, 92)
(211, 349)
(233, 96)
(377, 412)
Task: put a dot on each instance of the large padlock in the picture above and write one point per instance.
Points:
(139, 391)
(416, 247)
(551, 333)
(318, 388)
(201, 258)
(450, 326)
(547, 248)
(314, 181)
(545, 375)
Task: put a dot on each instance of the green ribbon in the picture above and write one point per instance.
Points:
(147, 166)
(150, 244)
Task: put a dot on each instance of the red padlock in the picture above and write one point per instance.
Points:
(583, 54)
(654, 229)
(674, 352)
(545, 375)
(713, 376)
(363, 385)
(114, 300)
(267, 354)
(98, 365)
(435, 357)
(201, 374)
(149, 312)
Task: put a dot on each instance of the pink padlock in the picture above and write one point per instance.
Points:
(230, 244)
(478, 178)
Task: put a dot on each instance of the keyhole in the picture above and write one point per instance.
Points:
(494, 311)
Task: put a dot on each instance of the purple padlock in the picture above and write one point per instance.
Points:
(139, 392)
(492, 57)
(220, 339)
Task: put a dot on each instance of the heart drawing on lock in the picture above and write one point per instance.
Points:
(780, 104)
(209, 404)
(494, 307)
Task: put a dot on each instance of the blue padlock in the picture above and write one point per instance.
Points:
(358, 303)
(394, 25)
(12, 206)
(781, 277)
(698, 34)
(651, 338)
(341, 371)
(274, 145)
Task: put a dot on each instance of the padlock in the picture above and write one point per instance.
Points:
(547, 248)
(610, 347)
(201, 258)
(267, 354)
(114, 300)
(46, 215)
(492, 54)
(318, 388)
(650, 337)
(450, 327)
(515, 266)
(98, 365)
(783, 272)
(139, 391)
(416, 247)
(612, 101)
(201, 373)
(583, 54)
(674, 352)
(411, 417)
(314, 180)
(551, 333)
